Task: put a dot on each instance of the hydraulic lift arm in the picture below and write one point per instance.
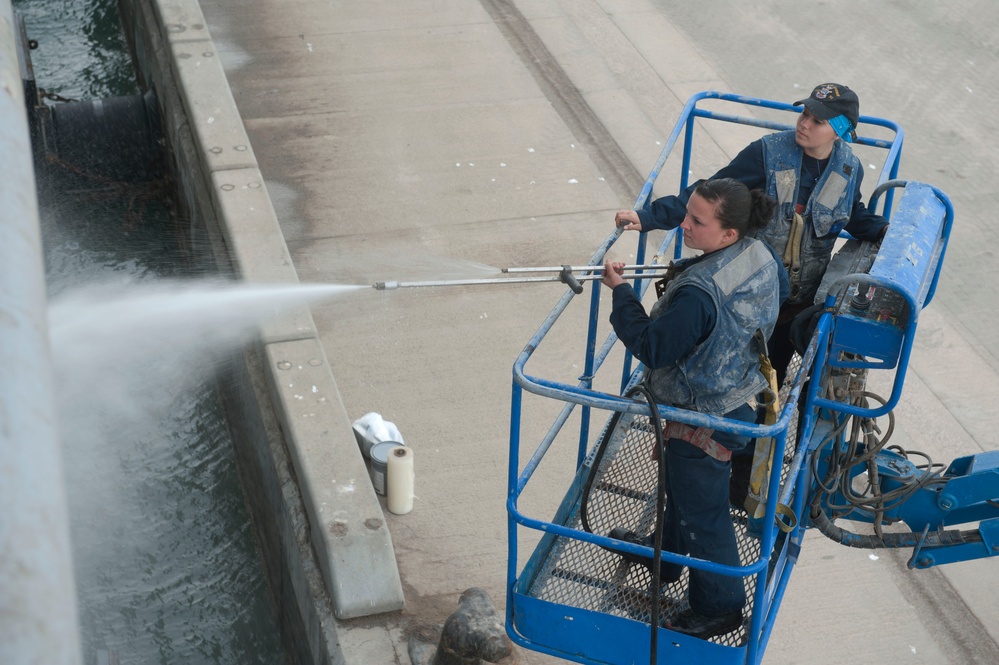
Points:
(874, 296)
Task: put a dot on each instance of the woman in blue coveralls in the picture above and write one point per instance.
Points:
(697, 346)
(815, 178)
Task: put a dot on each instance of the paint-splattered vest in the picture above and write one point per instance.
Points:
(827, 212)
(723, 372)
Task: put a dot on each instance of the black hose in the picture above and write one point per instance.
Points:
(598, 456)
(657, 536)
(660, 505)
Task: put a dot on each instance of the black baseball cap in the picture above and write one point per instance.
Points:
(829, 100)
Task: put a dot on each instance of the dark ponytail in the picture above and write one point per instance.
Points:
(761, 210)
(736, 206)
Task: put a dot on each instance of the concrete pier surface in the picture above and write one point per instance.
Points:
(435, 139)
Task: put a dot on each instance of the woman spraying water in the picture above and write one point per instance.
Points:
(697, 346)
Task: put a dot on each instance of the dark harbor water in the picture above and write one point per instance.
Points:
(167, 567)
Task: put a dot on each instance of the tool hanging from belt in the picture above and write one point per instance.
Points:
(792, 255)
(763, 455)
(786, 185)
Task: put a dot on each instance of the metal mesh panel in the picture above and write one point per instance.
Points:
(622, 494)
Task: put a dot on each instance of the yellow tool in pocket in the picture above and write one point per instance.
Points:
(763, 459)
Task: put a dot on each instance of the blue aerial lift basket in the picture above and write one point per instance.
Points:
(575, 597)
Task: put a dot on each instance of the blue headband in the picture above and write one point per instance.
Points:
(842, 127)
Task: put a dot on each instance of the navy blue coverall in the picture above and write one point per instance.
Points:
(698, 484)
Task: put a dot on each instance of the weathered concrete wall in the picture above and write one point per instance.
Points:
(326, 547)
(37, 602)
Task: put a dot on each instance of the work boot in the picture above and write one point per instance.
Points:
(695, 624)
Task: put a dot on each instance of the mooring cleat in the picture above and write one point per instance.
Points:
(473, 634)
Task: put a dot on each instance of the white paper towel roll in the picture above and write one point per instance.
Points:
(401, 478)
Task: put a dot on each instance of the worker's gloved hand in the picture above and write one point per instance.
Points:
(628, 219)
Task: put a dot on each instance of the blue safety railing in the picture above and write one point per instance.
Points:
(554, 629)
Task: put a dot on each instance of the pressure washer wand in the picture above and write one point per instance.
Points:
(600, 268)
(565, 275)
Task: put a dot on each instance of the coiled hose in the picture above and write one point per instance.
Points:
(873, 501)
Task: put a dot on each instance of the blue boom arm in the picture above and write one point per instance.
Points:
(874, 312)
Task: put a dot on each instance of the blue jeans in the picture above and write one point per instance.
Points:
(697, 520)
